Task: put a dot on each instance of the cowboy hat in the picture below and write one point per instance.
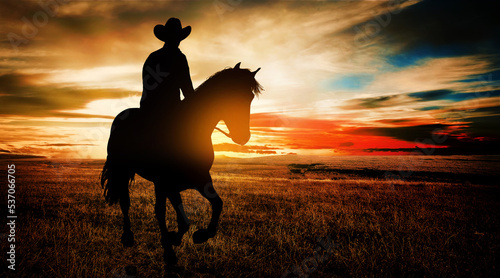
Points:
(171, 30)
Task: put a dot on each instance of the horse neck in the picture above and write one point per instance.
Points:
(204, 111)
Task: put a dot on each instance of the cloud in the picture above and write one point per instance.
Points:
(377, 102)
(431, 75)
(421, 101)
(19, 156)
(65, 144)
(226, 147)
(486, 126)
(53, 140)
(81, 122)
(80, 34)
(21, 95)
(446, 28)
(394, 150)
(309, 134)
(346, 144)
(406, 133)
(283, 120)
(431, 95)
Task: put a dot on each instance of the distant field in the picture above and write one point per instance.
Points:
(288, 216)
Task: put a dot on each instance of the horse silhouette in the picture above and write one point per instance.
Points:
(176, 152)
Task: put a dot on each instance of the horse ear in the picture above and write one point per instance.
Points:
(237, 66)
(255, 72)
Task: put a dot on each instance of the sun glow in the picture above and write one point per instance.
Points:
(108, 107)
(127, 77)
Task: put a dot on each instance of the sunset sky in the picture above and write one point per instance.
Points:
(340, 77)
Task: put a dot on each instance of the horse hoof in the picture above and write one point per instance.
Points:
(128, 239)
(170, 258)
(202, 236)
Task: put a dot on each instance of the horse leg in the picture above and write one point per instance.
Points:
(168, 252)
(208, 191)
(127, 236)
(182, 220)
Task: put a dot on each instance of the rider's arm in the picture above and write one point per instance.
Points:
(186, 83)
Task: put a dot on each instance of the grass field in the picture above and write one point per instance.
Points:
(283, 217)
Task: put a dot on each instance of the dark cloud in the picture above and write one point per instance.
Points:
(80, 115)
(20, 95)
(87, 33)
(493, 110)
(399, 99)
(394, 150)
(446, 28)
(395, 121)
(406, 133)
(375, 102)
(453, 96)
(19, 156)
(480, 135)
(488, 126)
(15, 82)
(431, 95)
(463, 149)
(12, 10)
(87, 26)
(64, 144)
(32, 123)
(428, 108)
(346, 144)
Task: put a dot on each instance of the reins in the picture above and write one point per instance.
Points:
(223, 132)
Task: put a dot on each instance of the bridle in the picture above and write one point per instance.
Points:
(223, 132)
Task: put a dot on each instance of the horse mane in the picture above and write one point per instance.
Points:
(231, 77)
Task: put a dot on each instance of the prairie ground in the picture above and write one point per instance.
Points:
(282, 217)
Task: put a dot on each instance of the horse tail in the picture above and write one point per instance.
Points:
(115, 180)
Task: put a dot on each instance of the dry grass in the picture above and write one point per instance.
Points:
(272, 217)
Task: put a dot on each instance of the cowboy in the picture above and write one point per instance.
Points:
(166, 70)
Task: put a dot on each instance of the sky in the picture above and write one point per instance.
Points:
(340, 77)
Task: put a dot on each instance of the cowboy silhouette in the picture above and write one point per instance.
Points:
(166, 70)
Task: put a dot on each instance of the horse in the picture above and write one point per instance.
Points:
(176, 153)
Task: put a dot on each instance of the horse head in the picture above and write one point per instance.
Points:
(238, 97)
